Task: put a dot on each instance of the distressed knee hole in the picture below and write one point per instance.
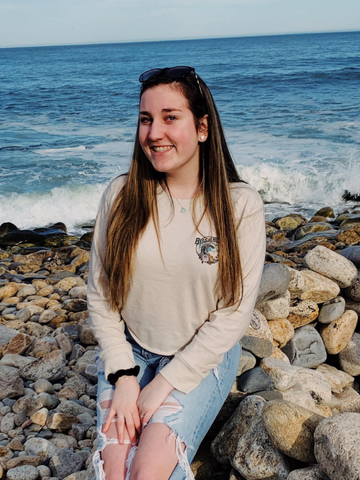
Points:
(105, 404)
(169, 407)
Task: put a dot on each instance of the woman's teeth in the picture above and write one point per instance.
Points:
(161, 149)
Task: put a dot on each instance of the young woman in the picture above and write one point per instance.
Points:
(176, 262)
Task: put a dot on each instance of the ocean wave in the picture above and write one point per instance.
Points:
(72, 205)
(303, 186)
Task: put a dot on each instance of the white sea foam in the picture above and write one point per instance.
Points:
(74, 206)
(60, 150)
(303, 185)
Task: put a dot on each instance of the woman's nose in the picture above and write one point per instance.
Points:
(156, 131)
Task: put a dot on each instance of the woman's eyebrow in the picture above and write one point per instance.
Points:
(167, 110)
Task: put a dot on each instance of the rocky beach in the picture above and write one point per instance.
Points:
(294, 410)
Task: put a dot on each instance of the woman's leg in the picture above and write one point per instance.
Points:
(111, 457)
(169, 442)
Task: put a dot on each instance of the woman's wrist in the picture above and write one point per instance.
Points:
(130, 372)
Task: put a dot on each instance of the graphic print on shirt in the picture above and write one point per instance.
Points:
(207, 249)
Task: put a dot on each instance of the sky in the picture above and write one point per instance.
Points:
(64, 22)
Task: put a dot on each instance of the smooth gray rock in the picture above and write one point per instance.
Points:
(24, 314)
(352, 254)
(42, 385)
(65, 462)
(332, 310)
(50, 367)
(337, 446)
(254, 380)
(10, 383)
(225, 444)
(308, 473)
(25, 472)
(274, 282)
(6, 334)
(332, 265)
(40, 447)
(306, 348)
(256, 457)
(350, 357)
(247, 362)
(44, 471)
(7, 423)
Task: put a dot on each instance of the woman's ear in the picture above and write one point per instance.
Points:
(203, 128)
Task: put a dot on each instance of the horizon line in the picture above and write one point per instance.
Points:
(177, 39)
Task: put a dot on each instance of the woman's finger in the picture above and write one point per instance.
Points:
(137, 421)
(120, 424)
(145, 418)
(130, 428)
(109, 418)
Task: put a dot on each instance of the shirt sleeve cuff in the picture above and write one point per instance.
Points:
(180, 375)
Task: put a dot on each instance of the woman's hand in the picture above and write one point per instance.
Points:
(123, 406)
(152, 396)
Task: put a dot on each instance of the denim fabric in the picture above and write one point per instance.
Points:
(189, 416)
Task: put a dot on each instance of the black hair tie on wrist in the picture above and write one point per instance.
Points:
(130, 372)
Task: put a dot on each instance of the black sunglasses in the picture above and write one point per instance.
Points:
(174, 73)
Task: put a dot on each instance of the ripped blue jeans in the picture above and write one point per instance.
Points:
(188, 416)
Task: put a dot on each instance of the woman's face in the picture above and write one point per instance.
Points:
(167, 132)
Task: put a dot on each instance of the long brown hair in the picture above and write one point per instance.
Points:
(136, 203)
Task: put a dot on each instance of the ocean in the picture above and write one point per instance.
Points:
(290, 106)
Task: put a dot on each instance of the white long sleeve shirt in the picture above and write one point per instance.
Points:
(174, 305)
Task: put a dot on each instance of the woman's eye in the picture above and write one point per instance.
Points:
(144, 120)
(171, 118)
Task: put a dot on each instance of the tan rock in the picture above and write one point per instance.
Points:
(11, 300)
(332, 265)
(67, 393)
(336, 335)
(319, 288)
(24, 460)
(61, 421)
(258, 337)
(283, 375)
(288, 223)
(303, 313)
(53, 303)
(298, 283)
(280, 355)
(349, 400)
(300, 397)
(18, 344)
(39, 284)
(81, 259)
(46, 316)
(350, 236)
(337, 379)
(66, 284)
(282, 331)
(10, 289)
(291, 429)
(16, 445)
(316, 384)
(40, 417)
(46, 291)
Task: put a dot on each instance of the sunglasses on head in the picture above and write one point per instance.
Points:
(174, 73)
